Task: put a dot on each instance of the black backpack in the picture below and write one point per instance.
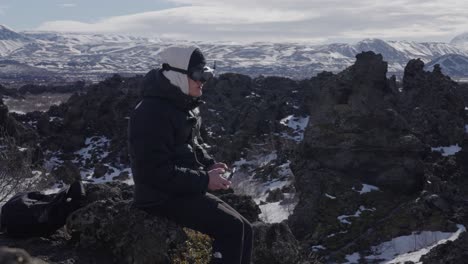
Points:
(36, 214)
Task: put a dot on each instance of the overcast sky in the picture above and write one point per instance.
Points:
(315, 21)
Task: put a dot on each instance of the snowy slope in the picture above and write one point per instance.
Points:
(451, 64)
(461, 41)
(86, 55)
(11, 40)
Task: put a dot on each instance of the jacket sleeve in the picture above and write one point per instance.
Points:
(206, 159)
(153, 149)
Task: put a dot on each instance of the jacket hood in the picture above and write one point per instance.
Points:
(178, 57)
(155, 84)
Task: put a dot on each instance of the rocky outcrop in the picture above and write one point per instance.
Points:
(241, 112)
(121, 234)
(243, 204)
(453, 252)
(113, 191)
(431, 104)
(67, 172)
(363, 163)
(275, 244)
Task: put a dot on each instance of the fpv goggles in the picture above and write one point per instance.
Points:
(198, 73)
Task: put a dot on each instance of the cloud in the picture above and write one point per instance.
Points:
(67, 5)
(284, 21)
(3, 9)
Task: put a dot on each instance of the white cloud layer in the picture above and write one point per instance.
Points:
(3, 9)
(283, 21)
(67, 5)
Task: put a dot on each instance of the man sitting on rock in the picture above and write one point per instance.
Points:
(171, 169)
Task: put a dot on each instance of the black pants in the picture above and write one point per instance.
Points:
(208, 214)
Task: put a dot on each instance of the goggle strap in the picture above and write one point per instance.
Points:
(167, 67)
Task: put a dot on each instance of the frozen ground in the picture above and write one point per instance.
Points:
(406, 249)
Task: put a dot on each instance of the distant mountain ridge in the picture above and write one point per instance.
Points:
(452, 64)
(91, 56)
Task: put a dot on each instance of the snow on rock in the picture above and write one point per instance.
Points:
(353, 258)
(53, 118)
(22, 149)
(344, 218)
(52, 160)
(94, 145)
(366, 188)
(244, 182)
(297, 123)
(447, 151)
(275, 212)
(88, 175)
(96, 149)
(408, 248)
(298, 126)
(318, 248)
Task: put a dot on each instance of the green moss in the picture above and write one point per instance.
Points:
(195, 250)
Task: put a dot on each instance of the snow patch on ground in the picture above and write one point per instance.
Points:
(366, 188)
(297, 125)
(407, 248)
(245, 182)
(318, 248)
(275, 212)
(88, 175)
(95, 151)
(344, 218)
(52, 160)
(447, 151)
(353, 258)
(94, 145)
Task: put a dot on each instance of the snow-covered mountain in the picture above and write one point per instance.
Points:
(460, 41)
(90, 56)
(451, 64)
(10, 40)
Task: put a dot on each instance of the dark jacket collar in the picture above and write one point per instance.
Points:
(155, 84)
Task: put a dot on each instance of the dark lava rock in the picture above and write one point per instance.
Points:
(275, 196)
(114, 191)
(357, 130)
(275, 244)
(67, 172)
(119, 233)
(100, 170)
(432, 104)
(243, 204)
(451, 252)
(11, 127)
(359, 136)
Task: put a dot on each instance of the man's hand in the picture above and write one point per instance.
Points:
(218, 165)
(217, 182)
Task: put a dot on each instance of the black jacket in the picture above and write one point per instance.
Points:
(163, 137)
